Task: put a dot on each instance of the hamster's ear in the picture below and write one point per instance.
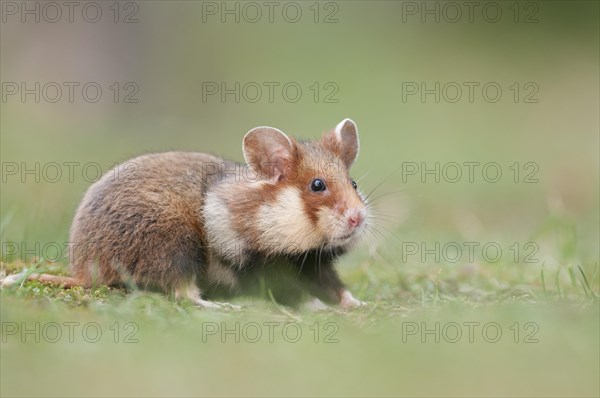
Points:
(268, 151)
(343, 140)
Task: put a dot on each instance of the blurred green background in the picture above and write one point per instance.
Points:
(363, 55)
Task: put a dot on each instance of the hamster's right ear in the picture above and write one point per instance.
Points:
(268, 151)
(343, 140)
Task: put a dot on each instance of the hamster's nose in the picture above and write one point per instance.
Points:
(355, 218)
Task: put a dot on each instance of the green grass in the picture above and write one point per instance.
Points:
(548, 318)
(546, 306)
(368, 54)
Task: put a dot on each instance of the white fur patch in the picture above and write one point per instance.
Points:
(285, 226)
(222, 236)
(332, 222)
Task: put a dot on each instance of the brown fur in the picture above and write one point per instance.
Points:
(149, 222)
(144, 225)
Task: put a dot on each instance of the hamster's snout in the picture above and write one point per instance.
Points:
(355, 218)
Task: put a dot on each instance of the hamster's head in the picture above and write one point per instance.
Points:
(308, 199)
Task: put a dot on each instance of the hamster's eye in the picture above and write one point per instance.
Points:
(317, 185)
(354, 184)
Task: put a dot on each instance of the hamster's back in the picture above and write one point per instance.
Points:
(142, 222)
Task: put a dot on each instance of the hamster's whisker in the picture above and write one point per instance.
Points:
(386, 229)
(376, 228)
(302, 264)
(319, 262)
(359, 179)
(386, 215)
(381, 183)
(368, 230)
(380, 218)
(373, 199)
(373, 231)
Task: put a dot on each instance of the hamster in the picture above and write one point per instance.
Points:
(199, 227)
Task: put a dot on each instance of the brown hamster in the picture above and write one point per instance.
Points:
(200, 227)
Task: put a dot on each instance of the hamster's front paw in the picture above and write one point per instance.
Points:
(348, 301)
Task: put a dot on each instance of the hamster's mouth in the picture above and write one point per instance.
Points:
(344, 238)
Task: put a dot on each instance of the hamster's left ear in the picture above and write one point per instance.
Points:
(343, 140)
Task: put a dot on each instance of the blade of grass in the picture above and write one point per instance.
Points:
(558, 284)
(573, 276)
(543, 282)
(437, 295)
(586, 285)
(283, 310)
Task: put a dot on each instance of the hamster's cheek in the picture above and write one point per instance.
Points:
(285, 223)
(330, 223)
